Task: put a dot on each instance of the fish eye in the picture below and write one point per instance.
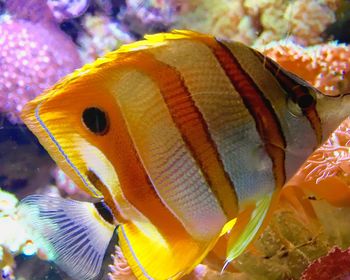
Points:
(95, 120)
(305, 101)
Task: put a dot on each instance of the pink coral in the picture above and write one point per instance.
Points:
(120, 270)
(66, 9)
(33, 57)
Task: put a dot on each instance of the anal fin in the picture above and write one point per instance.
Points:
(70, 232)
(151, 256)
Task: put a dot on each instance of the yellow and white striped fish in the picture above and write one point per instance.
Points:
(185, 138)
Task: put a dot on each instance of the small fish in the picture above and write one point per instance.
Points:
(184, 138)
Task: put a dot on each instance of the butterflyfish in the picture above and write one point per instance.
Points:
(184, 138)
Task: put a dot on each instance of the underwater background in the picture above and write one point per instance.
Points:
(43, 40)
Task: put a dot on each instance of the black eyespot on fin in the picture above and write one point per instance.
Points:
(104, 211)
(96, 120)
(305, 101)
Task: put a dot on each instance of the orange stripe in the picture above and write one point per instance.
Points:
(135, 183)
(266, 120)
(193, 128)
(295, 91)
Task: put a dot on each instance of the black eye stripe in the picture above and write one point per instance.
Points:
(95, 120)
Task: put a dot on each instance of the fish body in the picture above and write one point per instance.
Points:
(185, 138)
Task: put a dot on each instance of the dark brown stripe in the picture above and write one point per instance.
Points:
(193, 129)
(266, 120)
(99, 185)
(296, 91)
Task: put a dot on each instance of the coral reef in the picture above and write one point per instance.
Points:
(66, 186)
(336, 265)
(147, 16)
(260, 22)
(67, 9)
(325, 66)
(30, 59)
(325, 174)
(14, 238)
(101, 36)
(120, 269)
(332, 159)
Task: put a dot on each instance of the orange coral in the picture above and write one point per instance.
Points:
(325, 66)
(326, 173)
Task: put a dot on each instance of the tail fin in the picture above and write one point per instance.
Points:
(71, 233)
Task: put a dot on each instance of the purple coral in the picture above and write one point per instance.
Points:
(66, 9)
(33, 56)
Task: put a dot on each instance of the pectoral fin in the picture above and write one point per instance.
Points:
(71, 233)
(153, 256)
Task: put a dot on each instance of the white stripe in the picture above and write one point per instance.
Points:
(299, 135)
(175, 176)
(230, 124)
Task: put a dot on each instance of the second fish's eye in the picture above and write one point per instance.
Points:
(95, 120)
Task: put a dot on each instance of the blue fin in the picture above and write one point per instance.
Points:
(70, 232)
